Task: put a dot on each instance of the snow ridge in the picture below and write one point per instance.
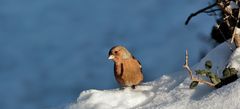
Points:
(171, 91)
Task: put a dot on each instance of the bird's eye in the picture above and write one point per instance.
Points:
(115, 52)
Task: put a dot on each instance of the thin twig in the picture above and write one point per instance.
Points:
(235, 28)
(198, 12)
(212, 11)
(186, 66)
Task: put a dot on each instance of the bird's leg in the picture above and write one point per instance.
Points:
(133, 86)
(121, 88)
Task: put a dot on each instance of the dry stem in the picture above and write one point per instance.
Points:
(198, 12)
(236, 35)
(186, 66)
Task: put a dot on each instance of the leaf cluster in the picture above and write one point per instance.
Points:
(229, 75)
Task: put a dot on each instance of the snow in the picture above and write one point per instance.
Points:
(234, 60)
(171, 91)
(233, 5)
(139, 96)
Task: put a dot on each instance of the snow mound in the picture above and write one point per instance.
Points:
(113, 99)
(171, 91)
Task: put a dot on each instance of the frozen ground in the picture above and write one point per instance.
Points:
(51, 50)
(171, 91)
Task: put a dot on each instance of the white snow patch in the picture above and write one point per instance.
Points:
(235, 60)
(233, 5)
(171, 91)
(113, 99)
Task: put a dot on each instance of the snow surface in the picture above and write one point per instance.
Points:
(235, 60)
(232, 5)
(171, 91)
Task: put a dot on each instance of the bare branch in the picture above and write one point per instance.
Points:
(198, 12)
(186, 66)
(236, 34)
(223, 8)
(212, 11)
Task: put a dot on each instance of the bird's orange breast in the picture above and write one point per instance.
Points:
(128, 72)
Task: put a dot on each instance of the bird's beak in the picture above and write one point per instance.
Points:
(111, 57)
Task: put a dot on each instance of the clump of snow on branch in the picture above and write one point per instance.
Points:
(232, 5)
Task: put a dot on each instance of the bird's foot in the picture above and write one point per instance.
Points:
(122, 88)
(133, 86)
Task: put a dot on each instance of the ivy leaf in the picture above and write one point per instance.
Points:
(208, 64)
(202, 72)
(233, 71)
(227, 72)
(215, 80)
(193, 84)
(211, 75)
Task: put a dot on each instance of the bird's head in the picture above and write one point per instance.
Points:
(119, 53)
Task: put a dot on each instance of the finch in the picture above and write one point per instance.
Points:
(127, 69)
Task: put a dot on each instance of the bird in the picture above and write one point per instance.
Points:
(127, 69)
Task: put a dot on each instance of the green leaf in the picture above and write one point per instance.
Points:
(193, 84)
(215, 80)
(202, 72)
(211, 75)
(233, 71)
(208, 64)
(227, 72)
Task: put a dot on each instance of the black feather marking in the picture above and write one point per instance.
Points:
(138, 62)
(115, 69)
(121, 70)
(110, 51)
(133, 57)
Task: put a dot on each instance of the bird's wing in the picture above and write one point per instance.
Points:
(140, 65)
